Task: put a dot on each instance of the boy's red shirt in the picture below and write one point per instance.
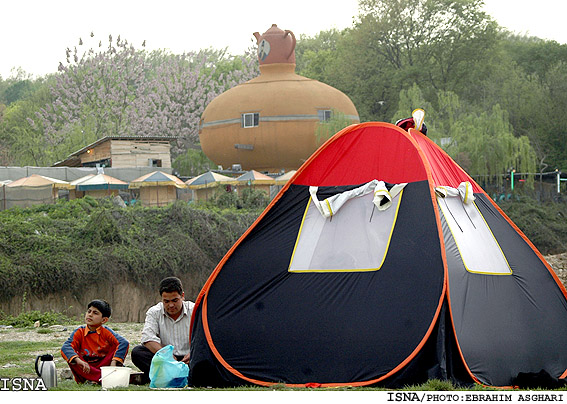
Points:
(92, 346)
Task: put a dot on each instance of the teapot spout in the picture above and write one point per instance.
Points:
(257, 36)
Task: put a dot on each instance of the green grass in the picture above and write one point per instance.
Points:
(22, 354)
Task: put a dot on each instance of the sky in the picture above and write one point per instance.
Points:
(35, 33)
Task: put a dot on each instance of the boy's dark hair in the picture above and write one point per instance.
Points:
(102, 306)
(171, 284)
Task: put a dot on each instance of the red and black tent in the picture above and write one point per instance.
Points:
(381, 262)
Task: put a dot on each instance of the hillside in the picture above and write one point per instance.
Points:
(54, 257)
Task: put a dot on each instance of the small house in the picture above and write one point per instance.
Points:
(123, 151)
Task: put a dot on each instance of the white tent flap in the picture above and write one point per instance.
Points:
(367, 214)
(382, 197)
(477, 245)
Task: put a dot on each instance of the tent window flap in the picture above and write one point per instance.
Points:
(477, 245)
(354, 239)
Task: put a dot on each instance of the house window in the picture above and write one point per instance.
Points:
(250, 120)
(324, 115)
(100, 163)
(155, 163)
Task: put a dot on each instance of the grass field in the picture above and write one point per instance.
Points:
(19, 348)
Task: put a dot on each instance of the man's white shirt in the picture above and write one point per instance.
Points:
(161, 328)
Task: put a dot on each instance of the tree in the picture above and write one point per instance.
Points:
(121, 91)
(25, 140)
(483, 144)
(395, 43)
(192, 163)
(533, 55)
(555, 130)
(314, 56)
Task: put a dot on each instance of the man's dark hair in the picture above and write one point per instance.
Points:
(171, 284)
(102, 306)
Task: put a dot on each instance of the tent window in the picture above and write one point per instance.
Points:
(322, 246)
(250, 120)
(477, 245)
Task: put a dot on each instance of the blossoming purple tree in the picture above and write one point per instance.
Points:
(119, 90)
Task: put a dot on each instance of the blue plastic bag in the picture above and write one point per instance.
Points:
(166, 371)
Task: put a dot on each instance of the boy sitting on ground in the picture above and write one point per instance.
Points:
(94, 345)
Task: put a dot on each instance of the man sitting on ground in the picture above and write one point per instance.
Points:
(167, 323)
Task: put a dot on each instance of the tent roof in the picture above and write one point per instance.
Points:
(36, 180)
(255, 178)
(79, 180)
(339, 161)
(282, 179)
(208, 180)
(100, 181)
(157, 179)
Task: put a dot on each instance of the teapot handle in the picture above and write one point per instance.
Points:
(288, 32)
(36, 369)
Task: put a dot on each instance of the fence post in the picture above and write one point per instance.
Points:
(558, 176)
(512, 179)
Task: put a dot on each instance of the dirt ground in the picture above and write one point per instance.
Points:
(559, 265)
(131, 331)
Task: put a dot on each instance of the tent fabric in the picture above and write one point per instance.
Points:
(79, 180)
(250, 318)
(282, 179)
(209, 179)
(157, 179)
(36, 180)
(382, 197)
(100, 182)
(471, 234)
(424, 302)
(256, 178)
(25, 196)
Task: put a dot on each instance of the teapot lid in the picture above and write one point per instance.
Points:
(276, 46)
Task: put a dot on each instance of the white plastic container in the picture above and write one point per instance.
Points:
(115, 376)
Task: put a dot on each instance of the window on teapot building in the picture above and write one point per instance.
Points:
(250, 120)
(324, 115)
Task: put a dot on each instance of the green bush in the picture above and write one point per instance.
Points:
(545, 224)
(69, 245)
(72, 244)
(254, 199)
(28, 319)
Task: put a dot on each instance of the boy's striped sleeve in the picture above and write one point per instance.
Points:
(123, 346)
(67, 351)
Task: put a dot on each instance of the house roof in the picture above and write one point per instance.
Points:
(282, 179)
